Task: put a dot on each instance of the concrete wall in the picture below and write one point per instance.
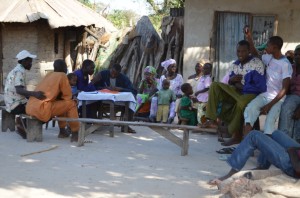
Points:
(199, 19)
(38, 39)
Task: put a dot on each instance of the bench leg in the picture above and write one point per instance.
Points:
(34, 130)
(81, 134)
(8, 121)
(185, 142)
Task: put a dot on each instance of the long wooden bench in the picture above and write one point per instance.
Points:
(162, 129)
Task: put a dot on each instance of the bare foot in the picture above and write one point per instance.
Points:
(219, 180)
(214, 182)
(209, 124)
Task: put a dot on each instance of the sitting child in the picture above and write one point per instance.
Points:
(73, 83)
(164, 96)
(186, 109)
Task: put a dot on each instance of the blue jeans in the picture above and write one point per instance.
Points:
(286, 123)
(272, 151)
(252, 112)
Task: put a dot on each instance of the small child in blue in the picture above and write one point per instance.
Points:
(164, 97)
(73, 82)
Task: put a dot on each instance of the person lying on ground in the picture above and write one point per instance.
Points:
(278, 149)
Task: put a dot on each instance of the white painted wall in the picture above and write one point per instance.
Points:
(199, 18)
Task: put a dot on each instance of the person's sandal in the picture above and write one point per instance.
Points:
(63, 133)
(74, 137)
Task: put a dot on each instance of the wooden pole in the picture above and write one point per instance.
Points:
(1, 62)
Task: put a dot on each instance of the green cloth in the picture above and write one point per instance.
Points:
(233, 105)
(188, 114)
(165, 96)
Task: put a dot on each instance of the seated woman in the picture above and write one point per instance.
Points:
(194, 79)
(146, 89)
(176, 81)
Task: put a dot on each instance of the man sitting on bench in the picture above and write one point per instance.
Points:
(58, 101)
(15, 93)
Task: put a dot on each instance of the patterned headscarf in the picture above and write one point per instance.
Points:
(150, 70)
(166, 63)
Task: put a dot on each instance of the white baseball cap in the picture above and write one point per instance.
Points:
(24, 54)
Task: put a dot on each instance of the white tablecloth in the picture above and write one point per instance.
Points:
(94, 96)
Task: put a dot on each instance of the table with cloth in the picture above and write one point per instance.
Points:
(109, 97)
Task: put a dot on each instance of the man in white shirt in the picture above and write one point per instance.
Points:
(278, 75)
(15, 93)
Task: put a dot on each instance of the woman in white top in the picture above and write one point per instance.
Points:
(176, 81)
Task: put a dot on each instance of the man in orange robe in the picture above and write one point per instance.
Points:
(58, 100)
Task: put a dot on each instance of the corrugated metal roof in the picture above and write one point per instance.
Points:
(59, 13)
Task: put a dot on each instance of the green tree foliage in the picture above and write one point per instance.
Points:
(122, 18)
(161, 9)
(87, 3)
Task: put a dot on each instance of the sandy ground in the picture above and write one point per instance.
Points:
(129, 165)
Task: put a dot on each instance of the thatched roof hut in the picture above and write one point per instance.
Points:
(52, 29)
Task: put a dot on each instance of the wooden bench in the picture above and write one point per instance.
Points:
(182, 121)
(8, 120)
(162, 129)
(33, 128)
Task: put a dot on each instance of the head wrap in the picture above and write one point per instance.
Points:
(166, 63)
(150, 70)
(297, 47)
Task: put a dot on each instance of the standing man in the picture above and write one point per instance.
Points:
(246, 81)
(58, 101)
(15, 93)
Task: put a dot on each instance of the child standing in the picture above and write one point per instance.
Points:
(164, 96)
(186, 109)
(202, 91)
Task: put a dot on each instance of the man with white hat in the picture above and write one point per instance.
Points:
(15, 93)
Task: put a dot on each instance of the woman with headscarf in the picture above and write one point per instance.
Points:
(147, 87)
(176, 81)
